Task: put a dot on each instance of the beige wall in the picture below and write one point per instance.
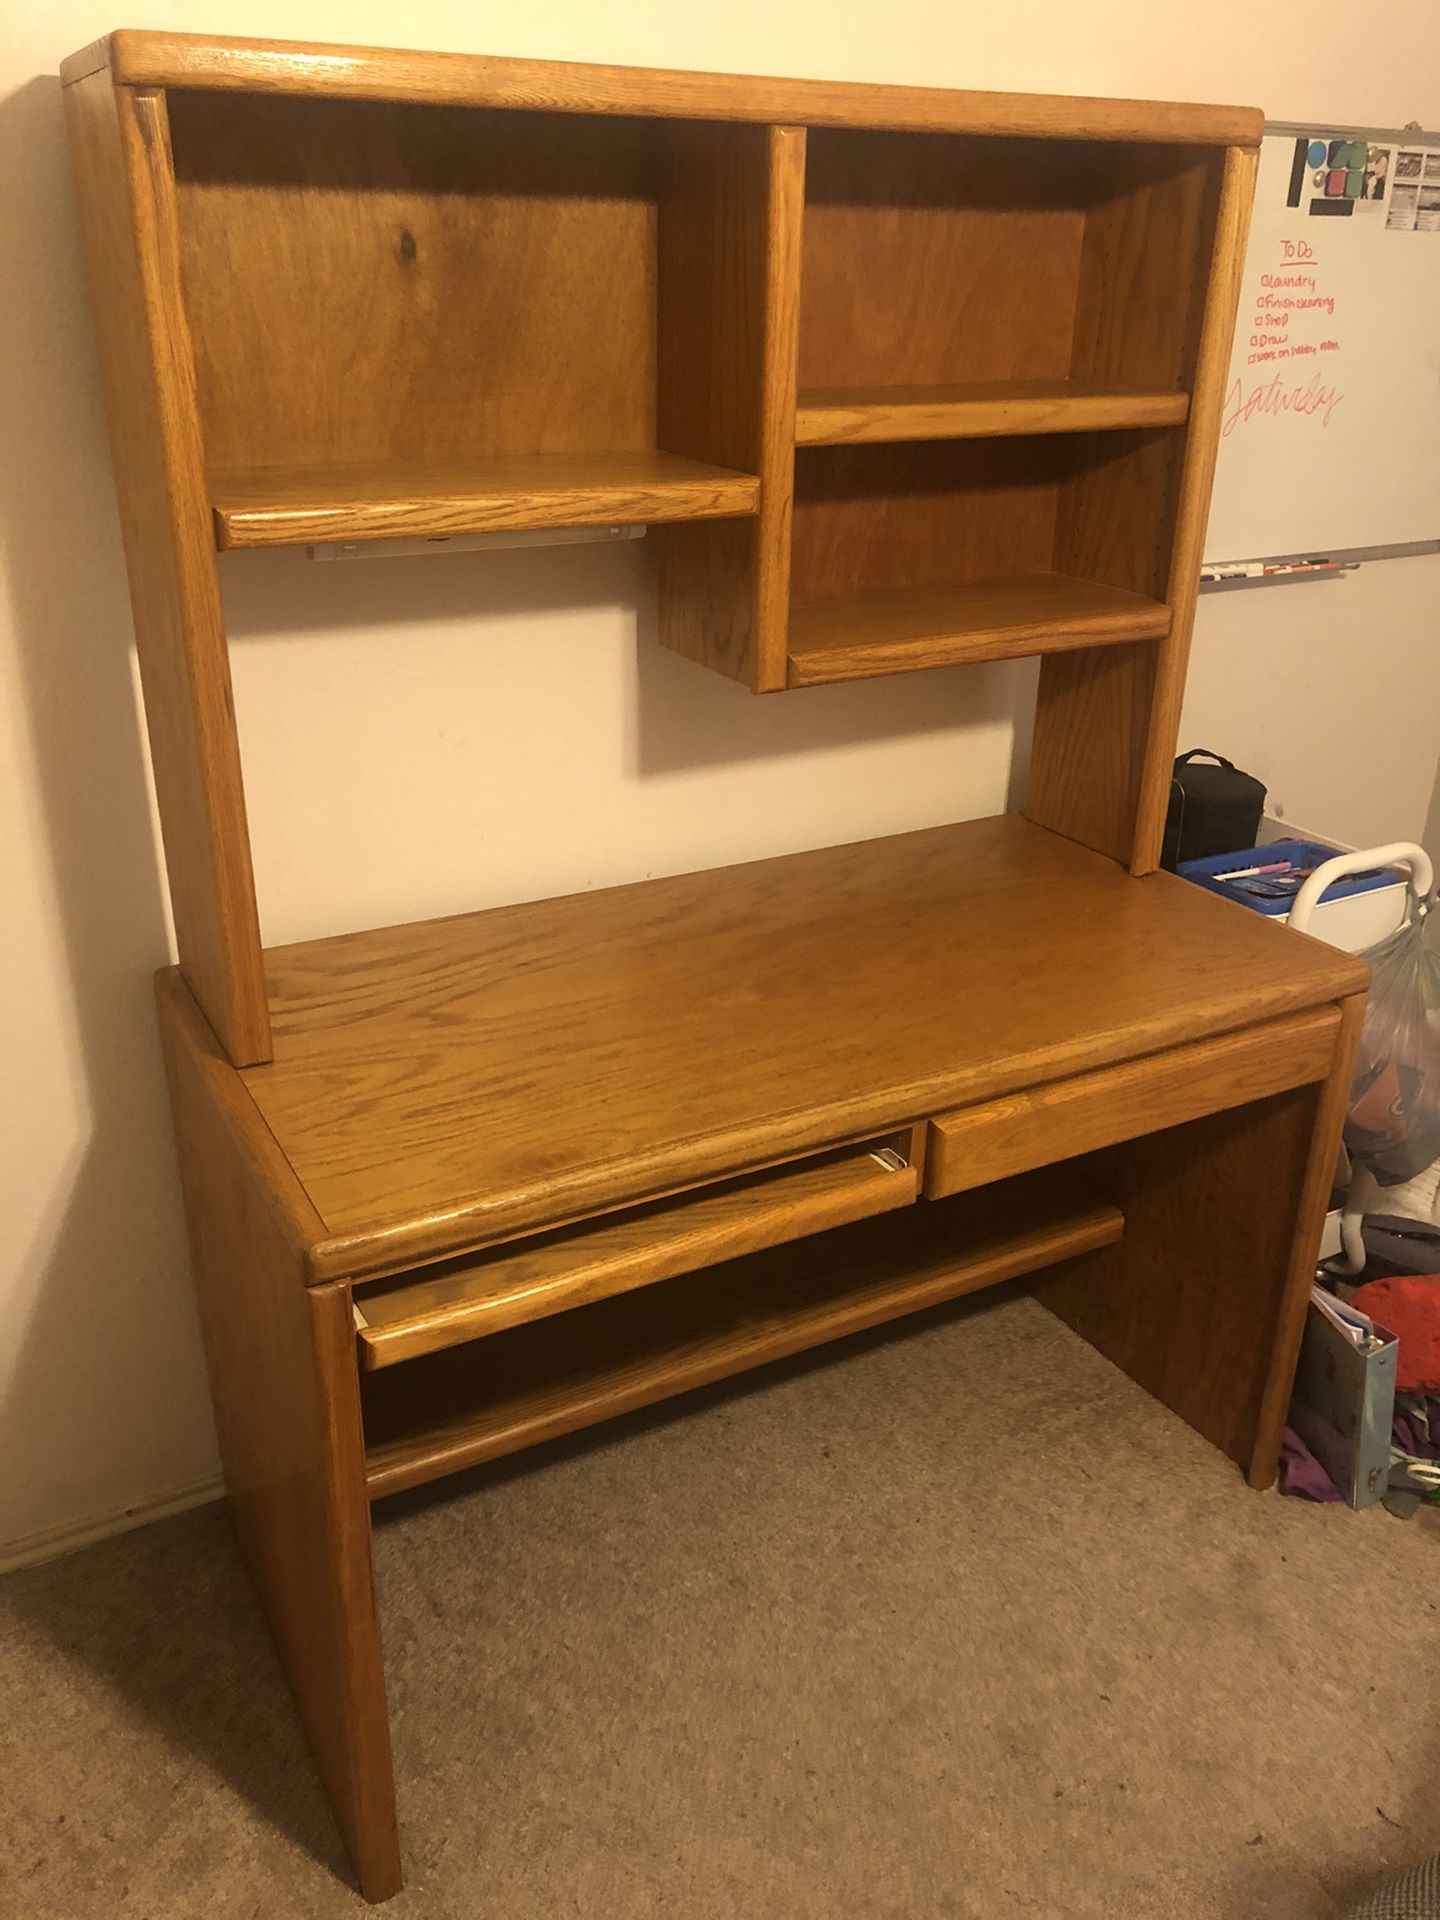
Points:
(422, 736)
(1329, 691)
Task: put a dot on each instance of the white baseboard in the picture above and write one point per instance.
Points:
(30, 1549)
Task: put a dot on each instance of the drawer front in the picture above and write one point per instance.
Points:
(461, 1300)
(1040, 1125)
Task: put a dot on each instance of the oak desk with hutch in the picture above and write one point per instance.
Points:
(897, 378)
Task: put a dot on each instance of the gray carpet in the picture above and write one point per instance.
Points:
(957, 1626)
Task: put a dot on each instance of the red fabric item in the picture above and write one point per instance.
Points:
(1410, 1309)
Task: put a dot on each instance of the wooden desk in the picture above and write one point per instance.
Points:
(524, 1137)
(897, 378)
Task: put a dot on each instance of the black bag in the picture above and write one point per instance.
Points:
(1212, 809)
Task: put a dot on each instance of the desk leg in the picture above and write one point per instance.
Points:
(1334, 1101)
(1203, 1301)
(287, 1410)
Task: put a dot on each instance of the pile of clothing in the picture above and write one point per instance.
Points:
(1407, 1306)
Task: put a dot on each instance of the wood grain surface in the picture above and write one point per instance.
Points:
(444, 1306)
(780, 373)
(1217, 327)
(933, 514)
(271, 507)
(899, 629)
(838, 416)
(1114, 519)
(1041, 1125)
(1156, 300)
(120, 150)
(457, 1082)
(729, 277)
(165, 59)
(1282, 1347)
(1144, 266)
(382, 286)
(1092, 721)
(1190, 1302)
(519, 1388)
(287, 1411)
(931, 260)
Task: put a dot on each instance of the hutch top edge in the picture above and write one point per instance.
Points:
(142, 58)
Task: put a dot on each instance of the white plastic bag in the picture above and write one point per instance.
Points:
(1393, 1126)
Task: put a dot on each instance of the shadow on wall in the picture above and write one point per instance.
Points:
(689, 716)
(686, 717)
(104, 1404)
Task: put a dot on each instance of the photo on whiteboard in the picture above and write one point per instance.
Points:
(1432, 169)
(1427, 216)
(1408, 166)
(1404, 205)
(1377, 172)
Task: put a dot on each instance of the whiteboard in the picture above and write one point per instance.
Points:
(1330, 430)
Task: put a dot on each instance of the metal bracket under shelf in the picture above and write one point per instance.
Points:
(474, 542)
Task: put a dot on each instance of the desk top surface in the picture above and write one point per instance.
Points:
(456, 1081)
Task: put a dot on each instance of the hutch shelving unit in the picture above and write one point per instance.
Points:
(897, 378)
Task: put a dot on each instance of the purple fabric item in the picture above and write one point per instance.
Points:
(1417, 1429)
(1301, 1473)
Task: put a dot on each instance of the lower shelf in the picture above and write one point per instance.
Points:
(857, 636)
(451, 1410)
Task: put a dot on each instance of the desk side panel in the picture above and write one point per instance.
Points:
(120, 148)
(1203, 1302)
(1319, 1179)
(287, 1410)
(1106, 719)
(730, 215)
(1202, 445)
(1187, 1305)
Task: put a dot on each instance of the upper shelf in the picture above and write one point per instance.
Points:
(840, 416)
(284, 507)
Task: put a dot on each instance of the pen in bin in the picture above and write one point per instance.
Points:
(1246, 873)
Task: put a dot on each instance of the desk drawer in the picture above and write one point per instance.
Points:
(1040, 1125)
(460, 1300)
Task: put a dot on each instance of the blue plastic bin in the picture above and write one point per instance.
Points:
(1303, 853)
